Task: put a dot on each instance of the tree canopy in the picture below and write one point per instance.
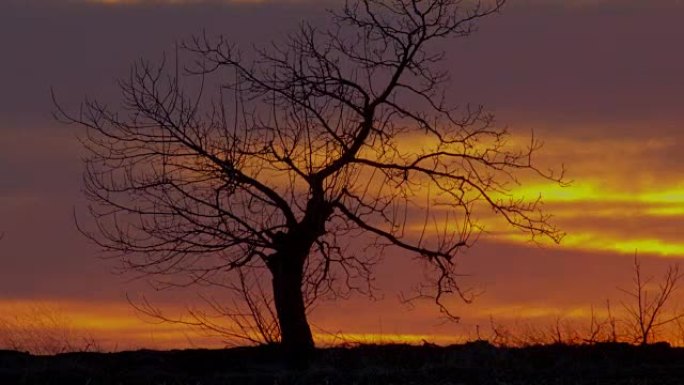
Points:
(281, 158)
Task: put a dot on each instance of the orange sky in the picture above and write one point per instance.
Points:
(600, 84)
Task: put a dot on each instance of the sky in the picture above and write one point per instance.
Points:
(599, 82)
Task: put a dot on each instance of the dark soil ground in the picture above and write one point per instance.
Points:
(473, 363)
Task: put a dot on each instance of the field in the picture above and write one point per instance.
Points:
(472, 363)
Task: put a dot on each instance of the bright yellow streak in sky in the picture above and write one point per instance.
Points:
(652, 246)
(608, 183)
(668, 196)
(589, 191)
(553, 192)
(385, 338)
(600, 242)
(666, 210)
(580, 203)
(530, 311)
(576, 205)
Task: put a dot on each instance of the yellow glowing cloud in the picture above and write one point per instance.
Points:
(623, 182)
(623, 197)
(531, 311)
(587, 190)
(577, 209)
(596, 241)
(553, 192)
(385, 338)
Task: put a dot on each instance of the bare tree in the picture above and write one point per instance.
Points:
(335, 138)
(647, 310)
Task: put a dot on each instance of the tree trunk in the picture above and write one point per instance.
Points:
(296, 338)
(287, 268)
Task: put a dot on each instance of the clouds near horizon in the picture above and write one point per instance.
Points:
(600, 82)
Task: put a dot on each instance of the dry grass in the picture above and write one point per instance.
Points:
(43, 330)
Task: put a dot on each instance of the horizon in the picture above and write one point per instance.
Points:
(605, 98)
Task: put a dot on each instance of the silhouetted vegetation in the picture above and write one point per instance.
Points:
(42, 329)
(472, 363)
(592, 351)
(648, 301)
(263, 165)
(649, 313)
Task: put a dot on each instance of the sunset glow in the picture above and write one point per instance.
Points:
(604, 101)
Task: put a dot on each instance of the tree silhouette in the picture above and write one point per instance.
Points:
(647, 305)
(335, 138)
